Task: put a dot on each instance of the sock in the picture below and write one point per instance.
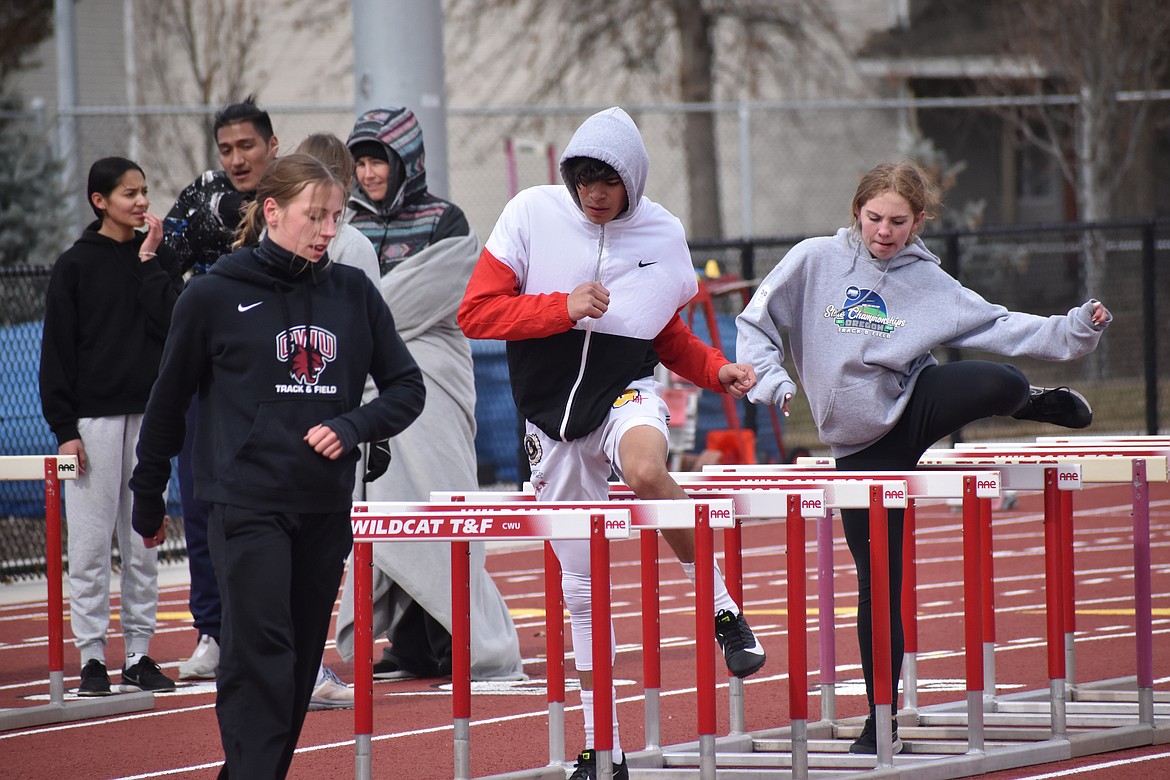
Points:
(587, 711)
(723, 599)
(132, 658)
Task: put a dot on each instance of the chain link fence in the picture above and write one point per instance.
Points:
(783, 167)
(786, 169)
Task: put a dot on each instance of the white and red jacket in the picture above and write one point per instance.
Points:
(566, 375)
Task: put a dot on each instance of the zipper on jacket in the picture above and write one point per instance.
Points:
(585, 344)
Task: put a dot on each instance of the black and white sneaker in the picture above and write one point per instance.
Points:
(1058, 406)
(146, 675)
(867, 741)
(94, 679)
(586, 767)
(743, 653)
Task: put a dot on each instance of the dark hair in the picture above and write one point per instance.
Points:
(247, 111)
(282, 181)
(332, 151)
(104, 176)
(586, 170)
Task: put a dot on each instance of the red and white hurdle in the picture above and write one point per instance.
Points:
(52, 469)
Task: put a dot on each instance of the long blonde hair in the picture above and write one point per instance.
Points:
(283, 180)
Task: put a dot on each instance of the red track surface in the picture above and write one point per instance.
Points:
(509, 725)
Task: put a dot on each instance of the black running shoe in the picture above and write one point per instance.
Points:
(94, 680)
(867, 741)
(146, 675)
(742, 652)
(1058, 406)
(586, 767)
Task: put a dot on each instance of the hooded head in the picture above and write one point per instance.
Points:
(611, 137)
(394, 135)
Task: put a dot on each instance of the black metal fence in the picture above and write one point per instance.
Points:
(1036, 268)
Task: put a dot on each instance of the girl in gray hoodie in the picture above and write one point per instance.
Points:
(862, 310)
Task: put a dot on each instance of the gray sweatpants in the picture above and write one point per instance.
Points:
(97, 506)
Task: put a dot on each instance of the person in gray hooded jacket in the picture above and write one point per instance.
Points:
(862, 311)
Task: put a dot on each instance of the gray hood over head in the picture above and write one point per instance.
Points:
(612, 137)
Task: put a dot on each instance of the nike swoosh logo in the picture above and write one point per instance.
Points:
(242, 308)
(643, 264)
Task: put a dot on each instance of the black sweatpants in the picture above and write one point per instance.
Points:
(278, 577)
(945, 398)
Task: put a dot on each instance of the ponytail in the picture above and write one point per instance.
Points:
(251, 226)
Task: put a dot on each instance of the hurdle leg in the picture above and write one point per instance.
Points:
(461, 656)
(554, 624)
(973, 614)
(826, 617)
(797, 637)
(910, 607)
(1068, 592)
(988, 576)
(651, 640)
(705, 639)
(602, 665)
(363, 658)
(1143, 600)
(879, 590)
(733, 560)
(1054, 604)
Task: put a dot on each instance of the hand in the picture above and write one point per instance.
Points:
(378, 460)
(324, 441)
(75, 447)
(784, 406)
(1100, 313)
(160, 536)
(737, 378)
(148, 517)
(588, 300)
(154, 236)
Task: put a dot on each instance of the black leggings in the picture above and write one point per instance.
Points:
(945, 398)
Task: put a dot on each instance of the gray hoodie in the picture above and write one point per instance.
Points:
(612, 137)
(861, 331)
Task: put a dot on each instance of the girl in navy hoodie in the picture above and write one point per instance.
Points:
(106, 315)
(277, 342)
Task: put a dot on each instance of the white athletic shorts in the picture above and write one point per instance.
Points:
(579, 470)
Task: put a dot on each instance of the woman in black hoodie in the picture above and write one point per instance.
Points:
(106, 315)
(277, 341)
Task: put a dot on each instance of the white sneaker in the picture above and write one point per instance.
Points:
(203, 663)
(331, 694)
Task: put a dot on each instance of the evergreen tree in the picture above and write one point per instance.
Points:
(30, 202)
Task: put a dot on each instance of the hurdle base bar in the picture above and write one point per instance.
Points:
(800, 749)
(706, 757)
(1056, 701)
(604, 764)
(462, 734)
(66, 711)
(829, 701)
(653, 721)
(976, 742)
(989, 676)
(909, 682)
(556, 732)
(362, 760)
(735, 705)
